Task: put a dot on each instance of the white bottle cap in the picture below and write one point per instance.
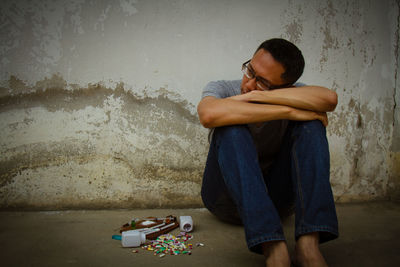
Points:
(186, 223)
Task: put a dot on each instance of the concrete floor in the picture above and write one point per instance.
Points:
(370, 236)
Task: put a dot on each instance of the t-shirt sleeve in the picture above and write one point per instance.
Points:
(299, 84)
(221, 89)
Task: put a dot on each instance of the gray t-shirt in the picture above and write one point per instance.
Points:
(268, 137)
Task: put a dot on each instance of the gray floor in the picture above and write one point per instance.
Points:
(370, 236)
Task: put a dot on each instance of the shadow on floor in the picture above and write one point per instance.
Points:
(369, 236)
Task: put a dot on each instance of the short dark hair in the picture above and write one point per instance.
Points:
(288, 54)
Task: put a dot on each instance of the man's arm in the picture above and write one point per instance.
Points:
(215, 112)
(314, 98)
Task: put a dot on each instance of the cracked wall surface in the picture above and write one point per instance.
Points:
(98, 147)
(98, 98)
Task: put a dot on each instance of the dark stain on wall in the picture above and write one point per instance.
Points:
(165, 122)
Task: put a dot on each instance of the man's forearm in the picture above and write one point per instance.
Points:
(314, 98)
(221, 112)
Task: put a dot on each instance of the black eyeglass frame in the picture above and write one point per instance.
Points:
(245, 66)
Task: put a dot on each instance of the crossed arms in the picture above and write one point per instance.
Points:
(295, 103)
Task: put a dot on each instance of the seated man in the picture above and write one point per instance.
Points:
(269, 155)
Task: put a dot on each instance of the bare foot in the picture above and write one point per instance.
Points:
(276, 254)
(307, 253)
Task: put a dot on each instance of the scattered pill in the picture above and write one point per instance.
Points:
(169, 244)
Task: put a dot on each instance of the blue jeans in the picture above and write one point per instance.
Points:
(235, 190)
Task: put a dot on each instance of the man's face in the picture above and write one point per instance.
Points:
(264, 66)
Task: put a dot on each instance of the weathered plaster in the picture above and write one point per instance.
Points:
(394, 154)
(359, 65)
(98, 99)
(97, 147)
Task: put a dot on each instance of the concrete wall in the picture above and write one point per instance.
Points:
(98, 98)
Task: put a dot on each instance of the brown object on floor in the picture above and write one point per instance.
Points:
(167, 224)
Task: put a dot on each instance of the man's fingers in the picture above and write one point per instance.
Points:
(323, 118)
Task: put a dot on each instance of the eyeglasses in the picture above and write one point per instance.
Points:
(261, 83)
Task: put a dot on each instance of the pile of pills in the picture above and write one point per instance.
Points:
(169, 244)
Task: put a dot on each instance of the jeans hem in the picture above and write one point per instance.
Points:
(254, 244)
(327, 233)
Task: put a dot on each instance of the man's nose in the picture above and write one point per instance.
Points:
(251, 84)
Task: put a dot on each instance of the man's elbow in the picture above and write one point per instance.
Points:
(332, 101)
(206, 118)
(207, 122)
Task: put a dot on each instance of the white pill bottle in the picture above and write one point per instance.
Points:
(186, 223)
(133, 238)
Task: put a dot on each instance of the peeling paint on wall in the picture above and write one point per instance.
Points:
(97, 147)
(98, 99)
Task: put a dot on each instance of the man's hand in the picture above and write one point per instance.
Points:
(250, 97)
(247, 97)
(306, 115)
(323, 118)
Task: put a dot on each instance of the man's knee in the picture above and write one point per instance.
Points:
(232, 133)
(314, 125)
(311, 129)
